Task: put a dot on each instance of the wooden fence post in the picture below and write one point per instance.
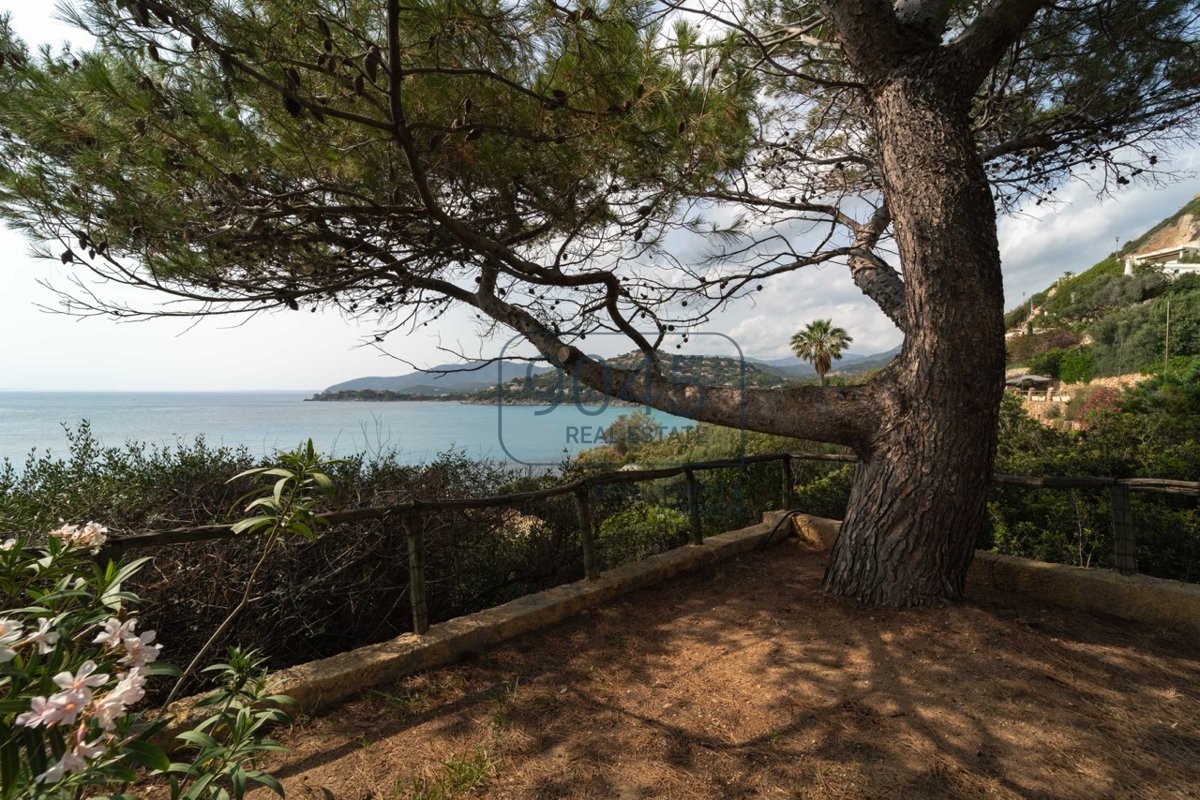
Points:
(587, 535)
(416, 571)
(787, 483)
(1124, 534)
(693, 499)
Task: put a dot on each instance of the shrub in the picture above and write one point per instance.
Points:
(1090, 403)
(1047, 362)
(74, 668)
(1022, 348)
(639, 531)
(827, 495)
(630, 431)
(312, 593)
(1076, 365)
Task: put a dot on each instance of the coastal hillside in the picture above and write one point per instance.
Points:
(467, 376)
(536, 384)
(543, 385)
(1112, 317)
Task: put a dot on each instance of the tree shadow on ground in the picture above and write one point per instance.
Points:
(748, 682)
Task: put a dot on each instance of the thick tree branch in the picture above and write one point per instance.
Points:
(871, 35)
(841, 415)
(877, 279)
(927, 16)
(978, 49)
(844, 415)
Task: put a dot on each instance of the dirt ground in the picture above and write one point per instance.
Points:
(747, 682)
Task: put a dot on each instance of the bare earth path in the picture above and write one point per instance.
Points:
(747, 682)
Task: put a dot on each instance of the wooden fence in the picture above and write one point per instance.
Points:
(409, 513)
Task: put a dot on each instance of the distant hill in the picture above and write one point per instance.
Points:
(522, 382)
(1104, 322)
(849, 364)
(467, 376)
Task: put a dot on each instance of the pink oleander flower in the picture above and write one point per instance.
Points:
(129, 690)
(65, 533)
(115, 631)
(139, 651)
(61, 708)
(10, 633)
(41, 712)
(64, 707)
(92, 536)
(44, 637)
(74, 760)
(82, 680)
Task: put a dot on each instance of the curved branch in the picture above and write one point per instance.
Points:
(874, 276)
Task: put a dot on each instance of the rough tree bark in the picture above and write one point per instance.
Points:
(919, 495)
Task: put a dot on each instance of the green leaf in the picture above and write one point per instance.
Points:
(250, 523)
(247, 473)
(302, 528)
(147, 755)
(162, 669)
(266, 779)
(237, 779)
(198, 739)
(280, 472)
(197, 788)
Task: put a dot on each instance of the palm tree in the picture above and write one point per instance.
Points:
(820, 342)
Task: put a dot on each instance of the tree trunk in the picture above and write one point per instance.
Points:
(919, 496)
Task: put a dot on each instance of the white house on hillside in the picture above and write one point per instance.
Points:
(1181, 259)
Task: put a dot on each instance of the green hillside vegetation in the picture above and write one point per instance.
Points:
(553, 387)
(699, 370)
(1103, 322)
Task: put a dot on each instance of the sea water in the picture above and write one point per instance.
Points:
(269, 421)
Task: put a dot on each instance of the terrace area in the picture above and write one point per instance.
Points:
(746, 681)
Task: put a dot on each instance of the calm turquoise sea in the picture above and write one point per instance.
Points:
(269, 421)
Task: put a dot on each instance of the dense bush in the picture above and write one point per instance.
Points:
(640, 530)
(1140, 433)
(826, 495)
(1076, 366)
(630, 431)
(1070, 365)
(346, 588)
(1047, 362)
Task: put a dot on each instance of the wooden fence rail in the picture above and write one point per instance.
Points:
(410, 512)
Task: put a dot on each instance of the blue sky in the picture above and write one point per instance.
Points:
(286, 350)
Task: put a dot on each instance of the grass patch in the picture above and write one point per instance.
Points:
(458, 776)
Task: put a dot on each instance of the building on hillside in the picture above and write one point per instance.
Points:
(1182, 259)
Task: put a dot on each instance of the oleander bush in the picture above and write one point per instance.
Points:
(76, 666)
